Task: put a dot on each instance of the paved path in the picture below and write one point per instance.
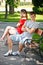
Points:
(31, 59)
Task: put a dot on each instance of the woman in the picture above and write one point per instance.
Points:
(12, 30)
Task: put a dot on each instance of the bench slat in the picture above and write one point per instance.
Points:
(39, 32)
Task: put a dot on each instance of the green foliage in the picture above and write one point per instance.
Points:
(38, 10)
(25, 3)
(16, 3)
(38, 3)
(38, 6)
(13, 2)
(10, 2)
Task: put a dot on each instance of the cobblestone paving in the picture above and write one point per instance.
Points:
(31, 58)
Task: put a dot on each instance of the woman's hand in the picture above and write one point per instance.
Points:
(18, 24)
(24, 29)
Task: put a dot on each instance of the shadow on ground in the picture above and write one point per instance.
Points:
(29, 59)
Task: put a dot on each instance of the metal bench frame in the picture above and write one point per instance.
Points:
(39, 32)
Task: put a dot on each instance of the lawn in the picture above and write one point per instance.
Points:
(16, 16)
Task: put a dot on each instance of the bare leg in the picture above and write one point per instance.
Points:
(19, 50)
(10, 44)
(6, 42)
(8, 30)
(5, 32)
(20, 47)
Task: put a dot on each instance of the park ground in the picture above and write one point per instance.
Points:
(31, 58)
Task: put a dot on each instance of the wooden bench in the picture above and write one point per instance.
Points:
(33, 44)
(39, 32)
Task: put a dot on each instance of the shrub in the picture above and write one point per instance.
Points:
(38, 10)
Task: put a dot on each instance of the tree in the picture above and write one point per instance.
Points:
(12, 4)
(38, 6)
(6, 10)
(38, 3)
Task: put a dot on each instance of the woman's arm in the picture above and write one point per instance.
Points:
(18, 24)
(23, 28)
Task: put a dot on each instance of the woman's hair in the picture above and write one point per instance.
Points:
(25, 12)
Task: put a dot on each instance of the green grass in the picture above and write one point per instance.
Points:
(39, 18)
(16, 16)
(10, 18)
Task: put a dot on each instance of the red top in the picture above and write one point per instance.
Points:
(22, 21)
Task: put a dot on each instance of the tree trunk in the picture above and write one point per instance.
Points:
(6, 11)
(11, 9)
